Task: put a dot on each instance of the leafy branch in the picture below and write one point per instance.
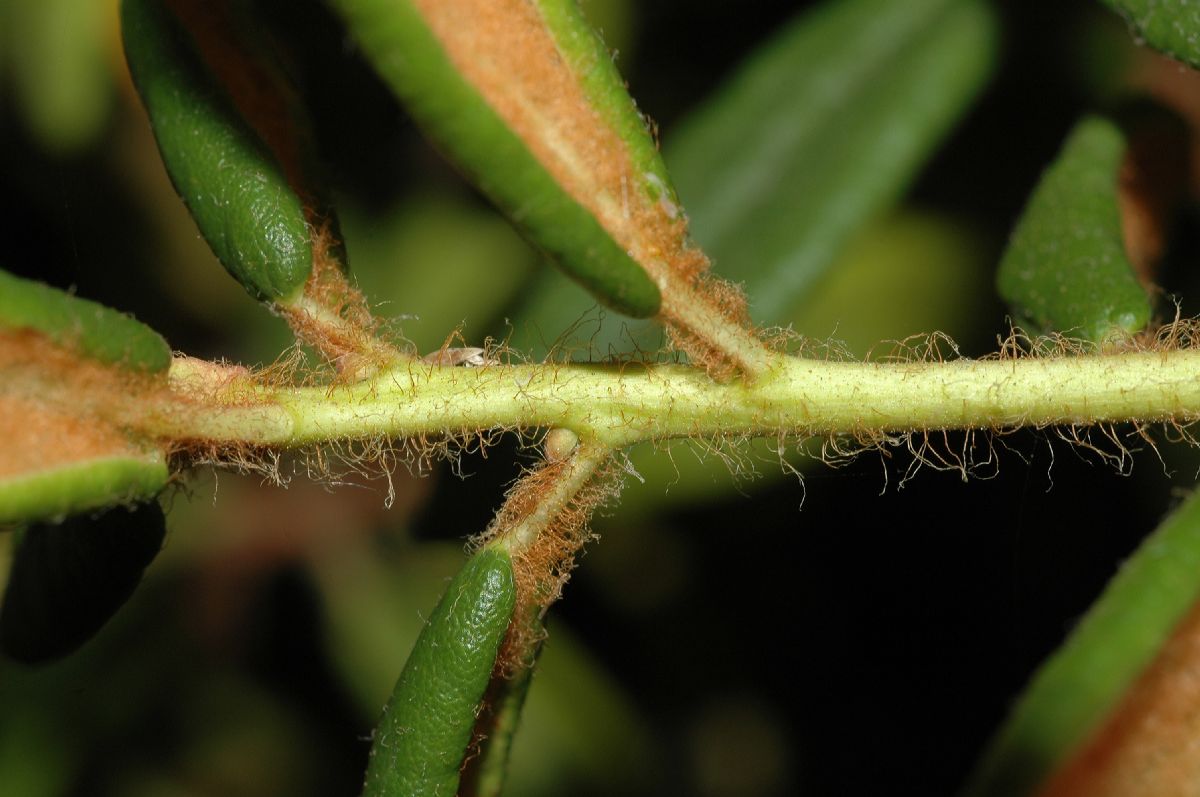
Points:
(523, 96)
(622, 404)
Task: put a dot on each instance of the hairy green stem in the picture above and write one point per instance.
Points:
(688, 309)
(341, 340)
(617, 405)
(538, 513)
(577, 472)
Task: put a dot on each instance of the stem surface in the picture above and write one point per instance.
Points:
(617, 405)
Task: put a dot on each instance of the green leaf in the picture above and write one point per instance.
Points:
(422, 739)
(63, 489)
(1170, 26)
(91, 329)
(577, 721)
(67, 580)
(1066, 269)
(235, 188)
(1075, 690)
(816, 133)
(824, 126)
(591, 61)
(49, 474)
(400, 45)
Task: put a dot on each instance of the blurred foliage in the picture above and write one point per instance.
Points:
(60, 68)
(1119, 637)
(708, 645)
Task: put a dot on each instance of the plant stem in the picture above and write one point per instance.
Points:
(617, 405)
(576, 472)
(688, 309)
(542, 525)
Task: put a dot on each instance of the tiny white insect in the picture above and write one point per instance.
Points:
(467, 356)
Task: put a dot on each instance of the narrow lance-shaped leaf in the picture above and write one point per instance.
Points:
(68, 580)
(55, 489)
(88, 327)
(524, 98)
(1170, 26)
(1066, 269)
(422, 739)
(236, 188)
(237, 147)
(59, 457)
(370, 599)
(806, 142)
(1075, 691)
